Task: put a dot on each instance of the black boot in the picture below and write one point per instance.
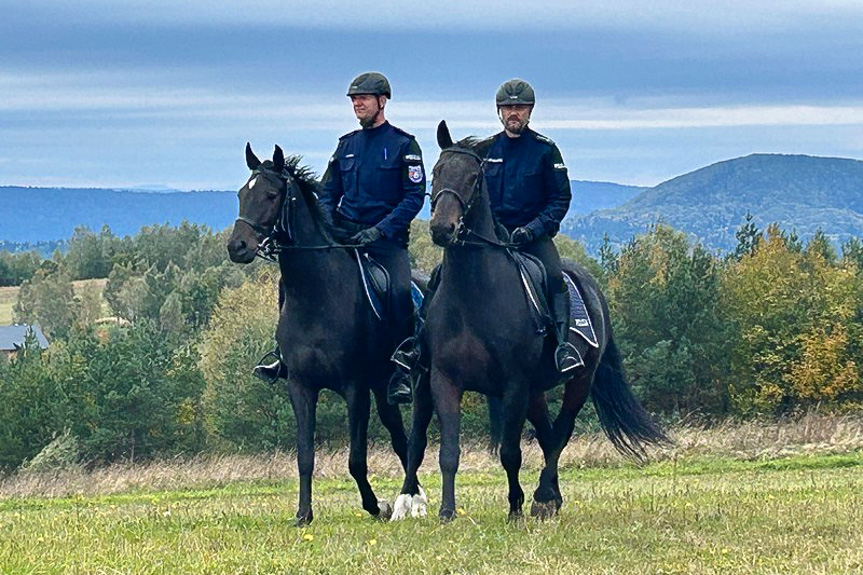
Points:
(566, 356)
(271, 371)
(399, 388)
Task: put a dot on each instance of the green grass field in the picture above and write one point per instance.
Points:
(797, 514)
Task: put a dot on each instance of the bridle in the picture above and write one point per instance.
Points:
(462, 232)
(279, 236)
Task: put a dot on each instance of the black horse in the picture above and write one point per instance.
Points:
(481, 335)
(328, 333)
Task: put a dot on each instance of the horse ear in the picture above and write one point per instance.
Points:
(278, 159)
(251, 159)
(444, 140)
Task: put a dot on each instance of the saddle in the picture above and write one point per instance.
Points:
(376, 286)
(535, 282)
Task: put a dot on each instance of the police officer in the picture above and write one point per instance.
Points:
(373, 188)
(529, 192)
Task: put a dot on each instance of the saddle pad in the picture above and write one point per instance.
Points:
(579, 319)
(371, 285)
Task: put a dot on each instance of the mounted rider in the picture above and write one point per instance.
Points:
(373, 188)
(529, 193)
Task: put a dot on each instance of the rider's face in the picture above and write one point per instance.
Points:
(367, 107)
(515, 118)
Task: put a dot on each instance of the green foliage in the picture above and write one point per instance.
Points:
(15, 268)
(47, 300)
(425, 255)
(794, 309)
(91, 255)
(664, 296)
(242, 411)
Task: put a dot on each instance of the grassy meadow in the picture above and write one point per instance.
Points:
(752, 498)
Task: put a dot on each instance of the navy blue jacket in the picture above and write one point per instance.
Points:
(376, 178)
(528, 183)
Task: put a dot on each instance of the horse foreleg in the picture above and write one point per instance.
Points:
(447, 401)
(304, 400)
(359, 405)
(514, 413)
(412, 499)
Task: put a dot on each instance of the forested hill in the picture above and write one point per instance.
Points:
(800, 193)
(45, 214)
(48, 215)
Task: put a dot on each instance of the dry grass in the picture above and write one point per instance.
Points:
(812, 434)
(8, 297)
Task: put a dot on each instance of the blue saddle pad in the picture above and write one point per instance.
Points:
(417, 297)
(579, 319)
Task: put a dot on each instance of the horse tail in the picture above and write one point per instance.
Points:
(626, 423)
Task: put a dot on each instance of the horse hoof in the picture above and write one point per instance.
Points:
(447, 515)
(418, 504)
(302, 520)
(402, 507)
(545, 510)
(385, 512)
(516, 516)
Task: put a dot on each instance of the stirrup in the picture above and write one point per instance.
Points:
(272, 371)
(567, 358)
(406, 354)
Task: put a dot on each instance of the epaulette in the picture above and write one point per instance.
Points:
(402, 132)
(540, 138)
(349, 134)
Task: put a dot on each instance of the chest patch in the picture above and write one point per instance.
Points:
(415, 174)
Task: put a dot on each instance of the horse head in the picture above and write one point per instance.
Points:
(456, 184)
(261, 201)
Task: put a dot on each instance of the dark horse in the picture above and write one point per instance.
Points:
(481, 335)
(327, 331)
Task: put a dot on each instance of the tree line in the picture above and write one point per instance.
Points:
(769, 329)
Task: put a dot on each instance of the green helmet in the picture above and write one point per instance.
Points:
(370, 83)
(515, 91)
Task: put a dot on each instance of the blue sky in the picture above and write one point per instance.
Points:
(109, 94)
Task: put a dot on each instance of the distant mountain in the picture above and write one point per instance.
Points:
(589, 197)
(800, 193)
(32, 215)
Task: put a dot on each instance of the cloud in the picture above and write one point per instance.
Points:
(703, 15)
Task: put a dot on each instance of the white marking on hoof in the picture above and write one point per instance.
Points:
(418, 504)
(402, 507)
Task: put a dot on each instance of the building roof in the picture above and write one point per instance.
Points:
(12, 336)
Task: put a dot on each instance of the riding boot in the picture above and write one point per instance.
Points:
(271, 371)
(399, 388)
(566, 356)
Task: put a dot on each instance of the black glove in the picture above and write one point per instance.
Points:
(366, 236)
(521, 236)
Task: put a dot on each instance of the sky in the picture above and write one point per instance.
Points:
(101, 93)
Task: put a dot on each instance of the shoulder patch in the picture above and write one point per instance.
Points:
(415, 174)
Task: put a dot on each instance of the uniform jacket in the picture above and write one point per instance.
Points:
(376, 178)
(528, 183)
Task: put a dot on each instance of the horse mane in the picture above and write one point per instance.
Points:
(311, 188)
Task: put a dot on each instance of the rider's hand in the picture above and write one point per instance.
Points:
(521, 236)
(367, 236)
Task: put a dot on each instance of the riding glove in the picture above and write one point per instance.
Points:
(367, 236)
(521, 236)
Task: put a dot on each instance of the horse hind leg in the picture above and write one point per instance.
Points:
(547, 498)
(359, 405)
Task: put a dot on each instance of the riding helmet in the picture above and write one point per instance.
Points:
(515, 91)
(370, 83)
